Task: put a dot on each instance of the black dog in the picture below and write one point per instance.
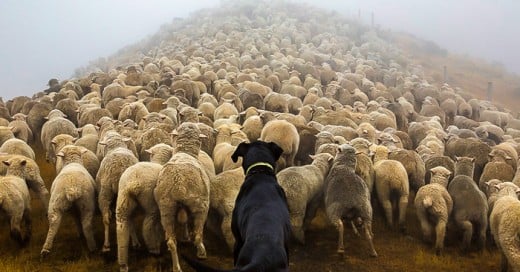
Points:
(260, 221)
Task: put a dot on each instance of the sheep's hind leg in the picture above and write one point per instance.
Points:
(440, 231)
(105, 197)
(199, 219)
(403, 203)
(54, 224)
(16, 231)
(168, 223)
(367, 226)
(339, 226)
(468, 232)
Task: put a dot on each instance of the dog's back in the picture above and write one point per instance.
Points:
(261, 225)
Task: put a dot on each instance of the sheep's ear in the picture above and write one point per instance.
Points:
(53, 142)
(203, 136)
(508, 158)
(6, 163)
(277, 150)
(74, 140)
(11, 128)
(472, 160)
(23, 163)
(148, 151)
(240, 151)
(60, 154)
(312, 156)
(432, 171)
(394, 140)
(174, 133)
(496, 186)
(102, 143)
(457, 158)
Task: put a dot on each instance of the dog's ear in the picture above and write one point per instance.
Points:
(277, 151)
(240, 151)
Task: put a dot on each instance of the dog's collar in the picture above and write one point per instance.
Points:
(259, 164)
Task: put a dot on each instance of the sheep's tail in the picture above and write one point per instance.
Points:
(72, 194)
(200, 267)
(427, 202)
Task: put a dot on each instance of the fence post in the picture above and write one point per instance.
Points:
(490, 91)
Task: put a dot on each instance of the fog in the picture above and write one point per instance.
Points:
(51, 38)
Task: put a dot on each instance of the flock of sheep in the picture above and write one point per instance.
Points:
(358, 124)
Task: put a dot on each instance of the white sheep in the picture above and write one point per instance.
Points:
(72, 187)
(286, 136)
(56, 124)
(136, 187)
(15, 200)
(31, 175)
(505, 226)
(303, 186)
(391, 180)
(117, 159)
(17, 146)
(433, 202)
(183, 185)
(224, 189)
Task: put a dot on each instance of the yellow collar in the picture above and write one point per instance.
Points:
(258, 164)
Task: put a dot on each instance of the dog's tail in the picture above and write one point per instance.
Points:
(201, 267)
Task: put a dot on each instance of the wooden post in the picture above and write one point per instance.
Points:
(372, 19)
(490, 91)
(445, 74)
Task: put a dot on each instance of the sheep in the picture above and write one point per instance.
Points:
(183, 185)
(20, 128)
(413, 164)
(31, 175)
(117, 158)
(56, 124)
(252, 127)
(469, 147)
(224, 189)
(497, 168)
(133, 111)
(17, 146)
(391, 180)
(72, 187)
(433, 206)
(136, 187)
(92, 115)
(6, 133)
(15, 200)
(36, 118)
(470, 207)
(285, 135)
(504, 226)
(303, 186)
(347, 196)
(149, 138)
(89, 138)
(89, 160)
(435, 161)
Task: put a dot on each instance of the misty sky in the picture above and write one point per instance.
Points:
(42, 39)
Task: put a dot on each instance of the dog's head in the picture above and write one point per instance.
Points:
(258, 151)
